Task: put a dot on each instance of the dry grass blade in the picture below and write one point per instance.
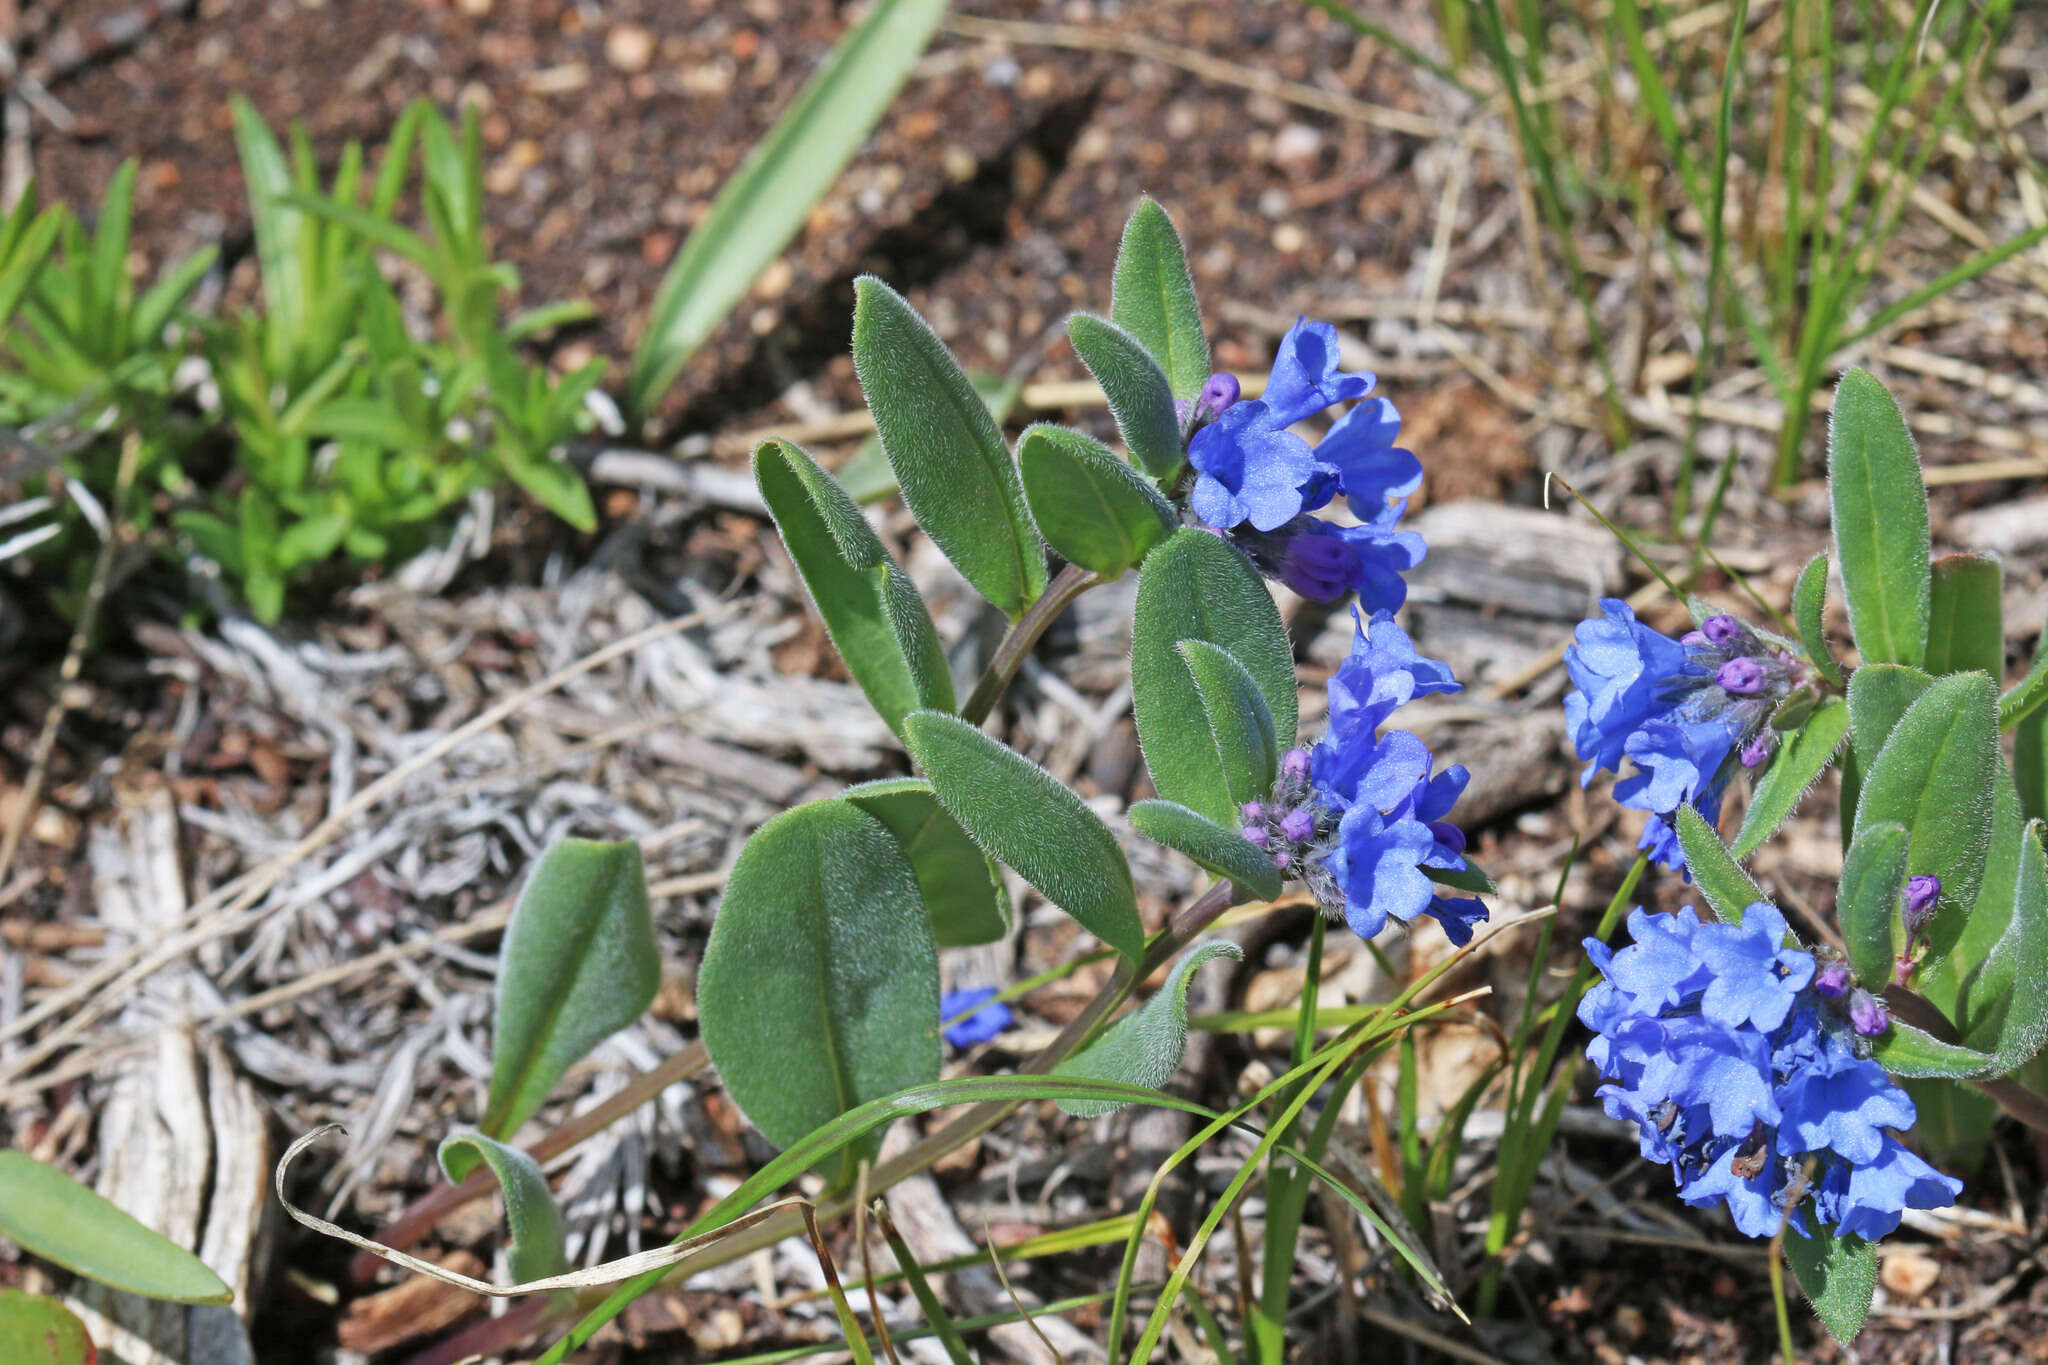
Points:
(989, 1240)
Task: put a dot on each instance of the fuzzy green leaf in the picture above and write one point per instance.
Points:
(1908, 1051)
(1793, 771)
(1239, 720)
(1471, 879)
(39, 1331)
(46, 1212)
(1224, 852)
(1838, 1275)
(1140, 398)
(1878, 695)
(1153, 298)
(1719, 877)
(1196, 587)
(538, 1237)
(1966, 617)
(871, 609)
(1809, 606)
(1092, 507)
(1143, 1048)
(578, 964)
(1880, 520)
(962, 889)
(820, 984)
(1873, 876)
(948, 455)
(2022, 711)
(1023, 816)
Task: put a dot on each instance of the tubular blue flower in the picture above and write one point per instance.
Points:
(989, 1017)
(1743, 1074)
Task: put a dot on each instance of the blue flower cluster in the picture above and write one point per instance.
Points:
(977, 1016)
(1735, 1058)
(1260, 485)
(1688, 713)
(1361, 817)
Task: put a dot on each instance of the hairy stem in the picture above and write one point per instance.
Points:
(1068, 584)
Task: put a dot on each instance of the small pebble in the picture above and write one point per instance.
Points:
(629, 47)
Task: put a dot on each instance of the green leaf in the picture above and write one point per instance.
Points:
(1196, 587)
(820, 985)
(1143, 1048)
(1809, 606)
(39, 1331)
(557, 486)
(962, 890)
(1838, 1275)
(866, 474)
(1935, 776)
(538, 1239)
(1878, 695)
(956, 474)
(2008, 990)
(1222, 851)
(1873, 876)
(1140, 398)
(1024, 817)
(48, 1213)
(1239, 720)
(1880, 517)
(768, 198)
(1719, 877)
(1092, 507)
(872, 610)
(578, 964)
(1908, 1051)
(1798, 763)
(1966, 617)
(1471, 879)
(1153, 298)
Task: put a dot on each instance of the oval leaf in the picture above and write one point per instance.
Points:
(1222, 851)
(1908, 1051)
(2022, 711)
(1239, 720)
(956, 474)
(820, 985)
(1140, 398)
(39, 1331)
(1966, 616)
(1092, 507)
(47, 1212)
(1719, 877)
(1873, 876)
(538, 1240)
(1024, 817)
(1793, 771)
(872, 610)
(1809, 607)
(1838, 1275)
(2009, 989)
(962, 890)
(1880, 520)
(1143, 1048)
(1153, 298)
(1196, 587)
(1878, 695)
(578, 964)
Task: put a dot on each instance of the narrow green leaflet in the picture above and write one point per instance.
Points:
(39, 1331)
(1966, 617)
(1024, 817)
(1094, 509)
(1140, 398)
(46, 1212)
(1934, 775)
(1471, 879)
(1873, 876)
(1793, 771)
(1880, 514)
(767, 199)
(1153, 298)
(1196, 587)
(1225, 852)
(1838, 1275)
(578, 964)
(1143, 1048)
(538, 1236)
(956, 474)
(1878, 695)
(820, 985)
(962, 889)
(877, 619)
(2009, 989)
(1908, 1051)
(1970, 978)
(1719, 877)
(1246, 747)
(1809, 608)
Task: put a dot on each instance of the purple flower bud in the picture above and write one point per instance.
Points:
(1722, 629)
(1921, 894)
(1218, 393)
(1833, 980)
(1254, 835)
(1867, 1014)
(1742, 676)
(1283, 860)
(1694, 639)
(1297, 825)
(1295, 763)
(1757, 752)
(1252, 812)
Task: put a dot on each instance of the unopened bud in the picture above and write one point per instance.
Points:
(1295, 763)
(1921, 894)
(1218, 393)
(1867, 1014)
(1722, 629)
(1742, 676)
(1297, 825)
(1833, 980)
(1255, 836)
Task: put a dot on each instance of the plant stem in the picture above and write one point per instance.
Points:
(1068, 584)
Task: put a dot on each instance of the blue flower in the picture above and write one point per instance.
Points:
(1746, 1078)
(1622, 671)
(988, 1018)
(1323, 561)
(1249, 468)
